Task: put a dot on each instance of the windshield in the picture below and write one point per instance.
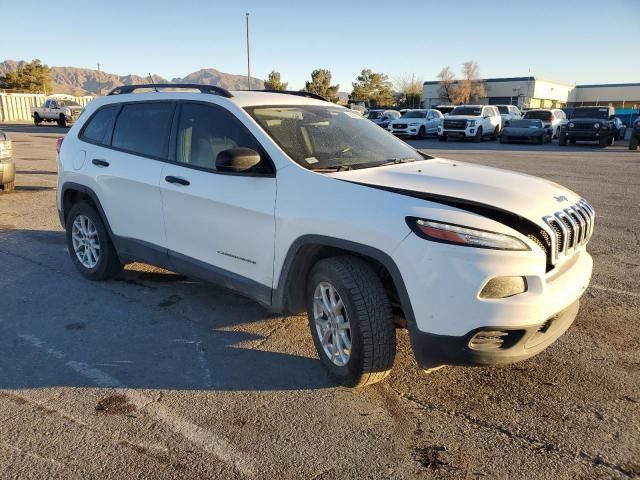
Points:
(503, 109)
(462, 110)
(328, 137)
(374, 115)
(67, 103)
(590, 113)
(415, 114)
(526, 123)
(539, 114)
(444, 110)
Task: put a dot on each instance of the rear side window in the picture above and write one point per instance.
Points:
(100, 125)
(143, 128)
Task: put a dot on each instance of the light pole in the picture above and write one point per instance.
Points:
(99, 82)
(248, 56)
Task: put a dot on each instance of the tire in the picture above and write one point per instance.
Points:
(62, 121)
(477, 138)
(367, 310)
(36, 120)
(422, 133)
(541, 140)
(604, 142)
(562, 141)
(495, 134)
(572, 142)
(633, 143)
(107, 265)
(611, 140)
(442, 138)
(8, 187)
(502, 140)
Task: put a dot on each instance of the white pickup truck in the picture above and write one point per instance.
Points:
(62, 111)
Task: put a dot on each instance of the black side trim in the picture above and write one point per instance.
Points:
(520, 224)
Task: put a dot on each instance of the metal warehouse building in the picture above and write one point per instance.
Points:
(532, 92)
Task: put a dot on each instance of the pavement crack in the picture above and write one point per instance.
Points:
(283, 323)
(32, 454)
(533, 442)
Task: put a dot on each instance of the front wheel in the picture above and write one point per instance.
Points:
(633, 143)
(562, 141)
(8, 187)
(442, 138)
(478, 136)
(422, 133)
(89, 244)
(351, 321)
(495, 134)
(36, 120)
(62, 121)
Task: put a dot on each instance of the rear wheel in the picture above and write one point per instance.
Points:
(562, 141)
(603, 142)
(611, 140)
(541, 140)
(89, 244)
(633, 143)
(351, 321)
(36, 119)
(62, 121)
(495, 134)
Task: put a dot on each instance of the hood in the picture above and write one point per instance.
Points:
(526, 196)
(589, 120)
(408, 120)
(464, 117)
(522, 131)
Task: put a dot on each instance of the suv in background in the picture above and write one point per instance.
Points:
(383, 117)
(416, 123)
(7, 164)
(553, 119)
(508, 113)
(471, 121)
(444, 109)
(591, 124)
(301, 204)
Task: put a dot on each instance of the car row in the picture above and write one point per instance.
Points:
(7, 163)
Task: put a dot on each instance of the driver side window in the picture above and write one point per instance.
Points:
(204, 132)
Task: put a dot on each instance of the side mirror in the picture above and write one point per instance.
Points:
(237, 160)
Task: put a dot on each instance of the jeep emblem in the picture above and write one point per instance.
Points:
(561, 198)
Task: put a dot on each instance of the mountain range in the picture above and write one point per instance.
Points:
(85, 81)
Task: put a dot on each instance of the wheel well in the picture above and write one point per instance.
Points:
(71, 197)
(310, 254)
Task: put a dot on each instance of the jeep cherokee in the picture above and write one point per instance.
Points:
(301, 204)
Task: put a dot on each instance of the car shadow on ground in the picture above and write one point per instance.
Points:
(31, 128)
(148, 329)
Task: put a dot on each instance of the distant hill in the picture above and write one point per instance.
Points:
(84, 81)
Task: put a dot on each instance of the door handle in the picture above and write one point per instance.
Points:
(178, 180)
(100, 163)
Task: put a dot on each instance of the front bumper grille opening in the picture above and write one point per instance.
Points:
(491, 340)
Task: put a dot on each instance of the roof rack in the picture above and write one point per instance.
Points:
(292, 92)
(122, 89)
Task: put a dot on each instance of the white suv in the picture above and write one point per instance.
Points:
(508, 113)
(471, 121)
(301, 204)
(416, 123)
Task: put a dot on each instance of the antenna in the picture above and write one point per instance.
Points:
(152, 82)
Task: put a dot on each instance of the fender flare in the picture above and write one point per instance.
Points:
(278, 300)
(66, 186)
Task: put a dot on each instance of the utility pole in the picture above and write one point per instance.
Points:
(99, 82)
(248, 56)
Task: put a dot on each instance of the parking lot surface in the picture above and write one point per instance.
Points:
(161, 376)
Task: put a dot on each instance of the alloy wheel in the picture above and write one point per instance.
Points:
(86, 243)
(332, 323)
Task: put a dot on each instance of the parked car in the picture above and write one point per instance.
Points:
(553, 118)
(63, 112)
(444, 109)
(383, 117)
(619, 127)
(416, 123)
(508, 113)
(590, 124)
(482, 265)
(525, 131)
(7, 163)
(471, 121)
(635, 135)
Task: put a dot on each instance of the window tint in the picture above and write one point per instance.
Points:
(143, 128)
(503, 109)
(100, 125)
(204, 132)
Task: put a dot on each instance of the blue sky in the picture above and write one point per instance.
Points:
(568, 41)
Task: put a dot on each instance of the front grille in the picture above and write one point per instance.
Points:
(588, 126)
(572, 228)
(399, 125)
(455, 124)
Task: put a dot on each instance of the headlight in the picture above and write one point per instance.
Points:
(464, 236)
(571, 124)
(413, 124)
(596, 125)
(471, 123)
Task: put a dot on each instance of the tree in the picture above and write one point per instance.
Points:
(273, 82)
(447, 84)
(30, 77)
(320, 84)
(373, 88)
(409, 88)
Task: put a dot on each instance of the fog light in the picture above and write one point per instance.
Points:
(503, 287)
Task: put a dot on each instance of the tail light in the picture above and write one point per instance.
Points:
(59, 144)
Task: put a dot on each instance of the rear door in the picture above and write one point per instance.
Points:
(219, 225)
(127, 170)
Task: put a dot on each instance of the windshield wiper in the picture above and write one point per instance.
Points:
(335, 168)
(396, 161)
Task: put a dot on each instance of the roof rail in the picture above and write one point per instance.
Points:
(292, 92)
(122, 89)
